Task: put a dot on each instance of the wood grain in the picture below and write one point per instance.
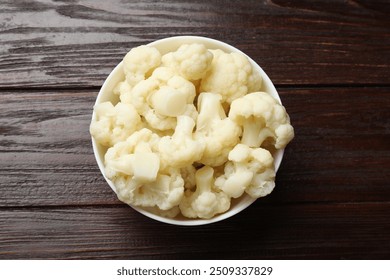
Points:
(330, 61)
(47, 157)
(79, 42)
(306, 231)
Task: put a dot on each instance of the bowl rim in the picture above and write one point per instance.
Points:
(186, 39)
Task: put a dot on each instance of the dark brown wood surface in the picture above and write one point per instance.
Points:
(330, 61)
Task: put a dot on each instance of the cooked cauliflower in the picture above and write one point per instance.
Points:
(190, 61)
(165, 192)
(136, 157)
(231, 75)
(171, 148)
(161, 98)
(122, 89)
(188, 175)
(262, 117)
(219, 133)
(250, 170)
(181, 149)
(206, 201)
(114, 123)
(134, 167)
(139, 62)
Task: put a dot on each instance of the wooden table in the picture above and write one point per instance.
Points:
(330, 63)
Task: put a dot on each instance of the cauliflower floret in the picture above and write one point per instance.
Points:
(180, 149)
(220, 133)
(122, 89)
(162, 97)
(250, 170)
(188, 175)
(231, 75)
(136, 157)
(114, 123)
(165, 192)
(172, 100)
(134, 167)
(139, 62)
(261, 117)
(205, 202)
(139, 95)
(190, 61)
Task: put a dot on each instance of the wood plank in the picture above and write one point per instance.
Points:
(47, 160)
(46, 152)
(307, 231)
(341, 151)
(79, 42)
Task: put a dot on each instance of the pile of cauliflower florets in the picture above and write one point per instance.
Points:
(191, 131)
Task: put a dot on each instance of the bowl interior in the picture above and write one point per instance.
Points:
(165, 46)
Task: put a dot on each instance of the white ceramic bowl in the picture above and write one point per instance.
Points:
(164, 46)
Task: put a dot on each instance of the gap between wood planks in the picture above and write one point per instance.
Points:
(282, 86)
(123, 205)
